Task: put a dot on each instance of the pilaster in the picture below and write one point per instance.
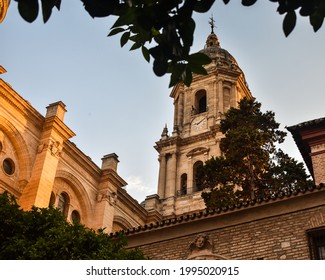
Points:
(107, 190)
(171, 175)
(162, 176)
(38, 190)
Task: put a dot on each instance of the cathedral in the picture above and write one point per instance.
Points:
(41, 166)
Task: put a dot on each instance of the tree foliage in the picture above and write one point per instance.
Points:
(251, 164)
(44, 233)
(163, 29)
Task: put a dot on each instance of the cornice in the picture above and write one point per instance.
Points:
(15, 100)
(59, 126)
(179, 141)
(128, 200)
(240, 213)
(72, 151)
(113, 177)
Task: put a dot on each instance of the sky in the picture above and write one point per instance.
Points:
(115, 102)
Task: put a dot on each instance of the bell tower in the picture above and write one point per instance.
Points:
(195, 137)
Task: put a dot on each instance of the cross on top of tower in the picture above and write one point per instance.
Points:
(211, 22)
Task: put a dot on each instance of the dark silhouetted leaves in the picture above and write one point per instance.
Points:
(316, 20)
(100, 8)
(145, 53)
(47, 6)
(289, 22)
(168, 26)
(28, 9)
(116, 31)
(203, 6)
(248, 2)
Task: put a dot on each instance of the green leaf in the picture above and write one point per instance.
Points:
(145, 53)
(115, 31)
(289, 22)
(316, 20)
(100, 8)
(160, 67)
(124, 38)
(203, 6)
(127, 18)
(47, 6)
(187, 77)
(248, 2)
(28, 9)
(198, 69)
(199, 58)
(176, 73)
(135, 46)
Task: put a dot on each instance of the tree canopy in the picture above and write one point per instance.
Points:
(163, 29)
(44, 234)
(251, 164)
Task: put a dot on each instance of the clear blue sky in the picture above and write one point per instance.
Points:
(116, 104)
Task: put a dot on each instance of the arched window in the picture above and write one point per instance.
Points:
(75, 216)
(196, 185)
(183, 184)
(201, 101)
(63, 204)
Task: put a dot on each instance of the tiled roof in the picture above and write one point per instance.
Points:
(213, 212)
(303, 148)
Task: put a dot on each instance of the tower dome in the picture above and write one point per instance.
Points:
(220, 57)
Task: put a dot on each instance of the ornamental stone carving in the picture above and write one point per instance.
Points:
(201, 248)
(53, 146)
(110, 197)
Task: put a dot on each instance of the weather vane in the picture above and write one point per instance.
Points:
(211, 22)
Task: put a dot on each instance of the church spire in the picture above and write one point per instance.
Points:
(212, 40)
(211, 22)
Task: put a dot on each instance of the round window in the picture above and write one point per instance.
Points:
(8, 166)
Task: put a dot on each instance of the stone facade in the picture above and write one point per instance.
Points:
(41, 166)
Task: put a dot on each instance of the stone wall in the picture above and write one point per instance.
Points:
(272, 230)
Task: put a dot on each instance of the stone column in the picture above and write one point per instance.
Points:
(220, 95)
(190, 175)
(233, 96)
(105, 210)
(171, 175)
(181, 110)
(162, 176)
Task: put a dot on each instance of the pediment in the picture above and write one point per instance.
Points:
(198, 151)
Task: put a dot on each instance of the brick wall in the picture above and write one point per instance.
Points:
(319, 167)
(278, 237)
